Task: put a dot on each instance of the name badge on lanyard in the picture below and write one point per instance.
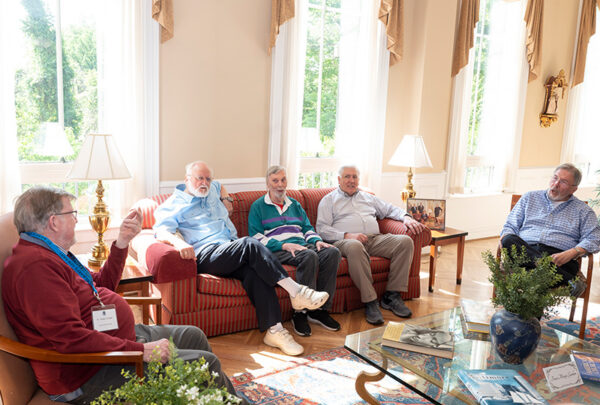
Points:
(104, 317)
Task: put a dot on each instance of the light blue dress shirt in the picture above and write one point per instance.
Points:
(200, 220)
(535, 219)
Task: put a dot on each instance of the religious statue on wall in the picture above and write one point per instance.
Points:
(554, 85)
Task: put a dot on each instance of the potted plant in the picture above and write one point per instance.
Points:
(525, 296)
(177, 383)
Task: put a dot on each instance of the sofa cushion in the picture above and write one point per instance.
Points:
(312, 197)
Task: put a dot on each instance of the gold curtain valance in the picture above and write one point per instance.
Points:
(391, 13)
(469, 16)
(281, 11)
(587, 28)
(534, 18)
(162, 12)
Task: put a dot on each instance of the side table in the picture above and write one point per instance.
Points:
(442, 238)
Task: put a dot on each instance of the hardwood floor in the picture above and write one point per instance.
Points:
(245, 351)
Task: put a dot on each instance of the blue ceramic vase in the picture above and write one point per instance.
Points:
(513, 337)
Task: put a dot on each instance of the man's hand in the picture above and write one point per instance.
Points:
(413, 225)
(322, 245)
(361, 237)
(185, 250)
(131, 226)
(292, 248)
(563, 257)
(157, 351)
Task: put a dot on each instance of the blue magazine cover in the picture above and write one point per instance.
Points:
(500, 387)
(588, 365)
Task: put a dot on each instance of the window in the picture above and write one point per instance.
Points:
(489, 92)
(583, 109)
(55, 88)
(99, 74)
(329, 88)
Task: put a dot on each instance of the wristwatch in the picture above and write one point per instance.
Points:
(580, 251)
(228, 198)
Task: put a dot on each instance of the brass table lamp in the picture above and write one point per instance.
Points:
(99, 159)
(410, 153)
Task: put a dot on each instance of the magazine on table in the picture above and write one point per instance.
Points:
(499, 387)
(405, 336)
(588, 365)
(477, 315)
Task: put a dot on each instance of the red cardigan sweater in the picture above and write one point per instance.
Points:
(49, 306)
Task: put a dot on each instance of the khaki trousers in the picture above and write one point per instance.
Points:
(398, 248)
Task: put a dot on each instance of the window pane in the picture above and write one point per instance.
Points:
(36, 96)
(85, 191)
(317, 139)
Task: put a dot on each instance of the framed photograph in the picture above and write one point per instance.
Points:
(431, 213)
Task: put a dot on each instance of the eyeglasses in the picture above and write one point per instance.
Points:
(74, 212)
(200, 178)
(562, 182)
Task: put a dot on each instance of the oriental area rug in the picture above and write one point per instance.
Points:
(323, 378)
(592, 328)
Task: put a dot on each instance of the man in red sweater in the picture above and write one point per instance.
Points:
(51, 299)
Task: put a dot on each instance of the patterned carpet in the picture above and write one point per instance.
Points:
(323, 378)
(592, 328)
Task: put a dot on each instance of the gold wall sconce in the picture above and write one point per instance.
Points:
(553, 85)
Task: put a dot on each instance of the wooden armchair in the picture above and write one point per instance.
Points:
(587, 279)
(17, 381)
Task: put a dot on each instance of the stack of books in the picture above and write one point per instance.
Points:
(419, 339)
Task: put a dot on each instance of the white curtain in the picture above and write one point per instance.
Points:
(287, 85)
(10, 183)
(504, 92)
(581, 141)
(128, 94)
(362, 89)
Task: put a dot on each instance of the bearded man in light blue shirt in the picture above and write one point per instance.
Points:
(554, 222)
(196, 210)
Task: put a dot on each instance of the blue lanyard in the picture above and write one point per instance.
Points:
(72, 262)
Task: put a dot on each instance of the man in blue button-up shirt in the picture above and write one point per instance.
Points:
(555, 222)
(196, 210)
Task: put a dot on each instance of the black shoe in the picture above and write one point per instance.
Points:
(372, 313)
(393, 301)
(300, 322)
(577, 287)
(322, 317)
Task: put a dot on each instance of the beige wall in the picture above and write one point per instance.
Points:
(420, 86)
(214, 88)
(215, 84)
(542, 146)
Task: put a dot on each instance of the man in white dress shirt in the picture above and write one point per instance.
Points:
(347, 217)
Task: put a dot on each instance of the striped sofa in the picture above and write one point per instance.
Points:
(219, 305)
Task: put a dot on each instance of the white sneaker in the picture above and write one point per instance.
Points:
(284, 341)
(307, 298)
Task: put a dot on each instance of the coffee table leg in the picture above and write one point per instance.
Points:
(364, 377)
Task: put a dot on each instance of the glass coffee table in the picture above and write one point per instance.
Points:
(436, 379)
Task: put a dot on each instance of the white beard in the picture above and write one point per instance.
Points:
(196, 192)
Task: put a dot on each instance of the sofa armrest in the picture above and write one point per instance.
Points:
(388, 225)
(162, 261)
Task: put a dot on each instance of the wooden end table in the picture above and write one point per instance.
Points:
(442, 238)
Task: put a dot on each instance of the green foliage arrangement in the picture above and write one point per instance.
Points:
(175, 383)
(527, 293)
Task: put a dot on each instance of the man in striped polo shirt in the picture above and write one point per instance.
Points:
(280, 223)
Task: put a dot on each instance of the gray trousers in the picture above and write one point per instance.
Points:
(191, 343)
(398, 248)
(314, 269)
